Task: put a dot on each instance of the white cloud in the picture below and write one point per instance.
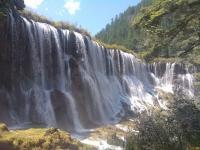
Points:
(33, 3)
(72, 6)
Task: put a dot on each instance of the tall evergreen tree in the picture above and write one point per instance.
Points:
(120, 31)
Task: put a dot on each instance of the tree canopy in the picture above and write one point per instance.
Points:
(158, 29)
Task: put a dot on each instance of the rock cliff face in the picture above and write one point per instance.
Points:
(63, 79)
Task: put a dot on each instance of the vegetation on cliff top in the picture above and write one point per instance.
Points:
(115, 47)
(158, 29)
(120, 31)
(57, 24)
(18, 6)
(172, 27)
(39, 139)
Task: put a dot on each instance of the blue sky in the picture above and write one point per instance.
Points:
(92, 15)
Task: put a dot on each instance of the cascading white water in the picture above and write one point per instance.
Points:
(66, 80)
(187, 81)
(164, 82)
(165, 79)
(76, 121)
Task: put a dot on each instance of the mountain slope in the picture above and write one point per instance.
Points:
(172, 27)
(164, 28)
(120, 31)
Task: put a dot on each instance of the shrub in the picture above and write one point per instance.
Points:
(177, 129)
(60, 24)
(115, 47)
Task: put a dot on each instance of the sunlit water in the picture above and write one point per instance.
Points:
(63, 79)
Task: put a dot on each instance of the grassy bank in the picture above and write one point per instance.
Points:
(38, 139)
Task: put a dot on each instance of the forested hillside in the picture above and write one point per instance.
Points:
(120, 31)
(161, 28)
(172, 29)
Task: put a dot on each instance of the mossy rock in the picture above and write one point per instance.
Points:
(3, 128)
(40, 139)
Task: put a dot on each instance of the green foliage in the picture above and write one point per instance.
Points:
(158, 29)
(114, 46)
(3, 128)
(39, 139)
(177, 128)
(120, 32)
(173, 27)
(59, 24)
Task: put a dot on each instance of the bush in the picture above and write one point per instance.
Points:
(40, 139)
(3, 128)
(175, 129)
(60, 24)
(115, 47)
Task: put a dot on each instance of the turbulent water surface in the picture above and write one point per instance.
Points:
(63, 79)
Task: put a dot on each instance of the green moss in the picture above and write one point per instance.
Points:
(115, 47)
(40, 139)
(144, 54)
(3, 128)
(57, 24)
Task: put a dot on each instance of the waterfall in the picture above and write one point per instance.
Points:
(164, 81)
(63, 79)
(171, 76)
